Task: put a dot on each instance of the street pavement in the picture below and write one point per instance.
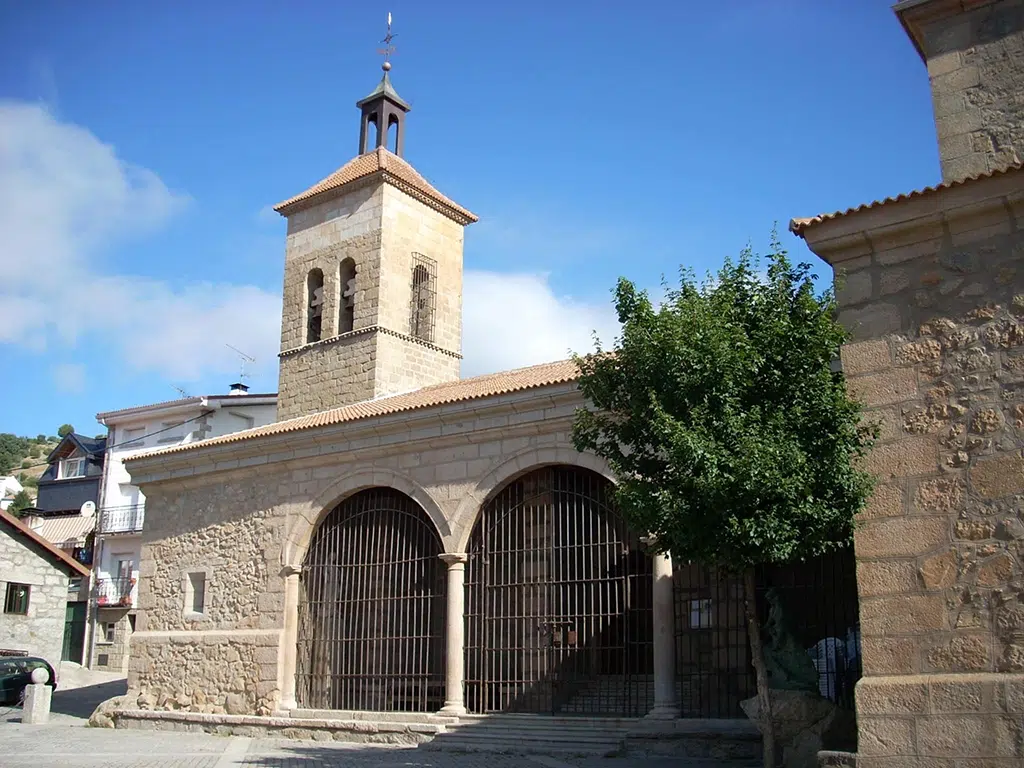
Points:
(66, 741)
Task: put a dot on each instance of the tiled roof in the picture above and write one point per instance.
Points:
(67, 530)
(181, 401)
(799, 226)
(388, 166)
(64, 561)
(490, 385)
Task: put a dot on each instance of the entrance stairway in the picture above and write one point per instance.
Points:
(533, 734)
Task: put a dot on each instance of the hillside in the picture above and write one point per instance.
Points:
(16, 451)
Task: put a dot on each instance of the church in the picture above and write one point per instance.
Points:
(403, 540)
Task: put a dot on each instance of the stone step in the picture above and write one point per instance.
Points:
(380, 717)
(534, 734)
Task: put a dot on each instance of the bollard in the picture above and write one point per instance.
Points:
(36, 708)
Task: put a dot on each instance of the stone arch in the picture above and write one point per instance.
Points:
(305, 524)
(507, 471)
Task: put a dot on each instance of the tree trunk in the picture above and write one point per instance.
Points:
(764, 703)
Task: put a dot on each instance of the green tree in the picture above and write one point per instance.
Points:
(21, 502)
(65, 430)
(734, 441)
(12, 450)
(40, 438)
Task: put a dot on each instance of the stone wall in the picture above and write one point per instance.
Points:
(933, 290)
(976, 65)
(404, 364)
(112, 655)
(336, 372)
(41, 631)
(245, 521)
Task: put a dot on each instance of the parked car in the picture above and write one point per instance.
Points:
(16, 674)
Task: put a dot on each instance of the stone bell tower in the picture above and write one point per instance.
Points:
(373, 275)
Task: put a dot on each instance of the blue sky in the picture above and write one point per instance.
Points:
(142, 144)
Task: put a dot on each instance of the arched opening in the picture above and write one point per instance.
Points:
(558, 601)
(314, 305)
(392, 138)
(372, 608)
(421, 314)
(347, 288)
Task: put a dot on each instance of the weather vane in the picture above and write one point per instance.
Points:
(388, 48)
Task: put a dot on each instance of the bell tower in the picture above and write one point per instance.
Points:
(373, 274)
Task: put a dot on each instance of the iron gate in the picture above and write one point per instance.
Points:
(371, 609)
(818, 601)
(558, 602)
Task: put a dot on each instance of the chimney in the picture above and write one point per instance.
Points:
(238, 388)
(974, 50)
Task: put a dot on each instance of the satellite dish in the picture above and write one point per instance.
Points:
(88, 509)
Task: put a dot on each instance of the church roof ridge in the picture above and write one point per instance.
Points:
(486, 385)
(389, 166)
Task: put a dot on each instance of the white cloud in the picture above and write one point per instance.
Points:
(69, 378)
(65, 196)
(513, 320)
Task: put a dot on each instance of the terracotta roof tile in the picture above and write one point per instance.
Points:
(490, 385)
(392, 169)
(65, 561)
(799, 226)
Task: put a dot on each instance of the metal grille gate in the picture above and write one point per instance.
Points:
(371, 609)
(558, 602)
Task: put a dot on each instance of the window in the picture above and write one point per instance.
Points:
(195, 599)
(109, 631)
(16, 600)
(170, 432)
(347, 287)
(75, 584)
(69, 468)
(314, 305)
(700, 614)
(421, 315)
(133, 435)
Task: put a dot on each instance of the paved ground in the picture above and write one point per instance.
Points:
(67, 742)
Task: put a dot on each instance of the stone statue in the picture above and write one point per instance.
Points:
(788, 665)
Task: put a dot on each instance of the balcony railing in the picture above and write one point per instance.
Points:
(125, 519)
(115, 593)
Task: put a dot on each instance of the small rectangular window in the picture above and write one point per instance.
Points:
(197, 592)
(16, 599)
(132, 438)
(109, 631)
(69, 468)
(171, 432)
(700, 614)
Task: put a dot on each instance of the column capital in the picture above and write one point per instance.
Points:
(291, 570)
(453, 558)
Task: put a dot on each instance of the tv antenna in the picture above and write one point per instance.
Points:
(245, 359)
(180, 391)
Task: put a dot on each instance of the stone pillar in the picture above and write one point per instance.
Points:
(289, 639)
(934, 297)
(666, 707)
(36, 709)
(455, 633)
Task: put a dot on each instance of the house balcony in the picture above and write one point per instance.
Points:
(116, 593)
(124, 519)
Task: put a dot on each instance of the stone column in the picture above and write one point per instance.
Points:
(665, 705)
(289, 638)
(455, 651)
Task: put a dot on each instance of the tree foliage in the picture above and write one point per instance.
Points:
(733, 440)
(21, 502)
(65, 430)
(12, 450)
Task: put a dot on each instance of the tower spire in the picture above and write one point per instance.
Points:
(383, 108)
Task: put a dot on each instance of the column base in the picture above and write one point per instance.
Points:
(663, 712)
(452, 709)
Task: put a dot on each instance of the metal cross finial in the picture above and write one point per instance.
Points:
(388, 48)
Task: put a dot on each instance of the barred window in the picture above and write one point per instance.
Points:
(424, 279)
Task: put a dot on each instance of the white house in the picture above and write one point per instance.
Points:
(9, 488)
(122, 512)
